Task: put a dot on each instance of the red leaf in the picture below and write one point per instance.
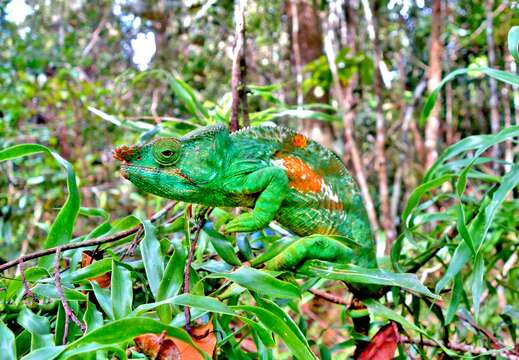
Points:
(382, 345)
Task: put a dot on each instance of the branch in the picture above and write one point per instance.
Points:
(510, 354)
(95, 34)
(329, 297)
(69, 314)
(239, 70)
(187, 268)
(349, 131)
(455, 346)
(27, 290)
(77, 245)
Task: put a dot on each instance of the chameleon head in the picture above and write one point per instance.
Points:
(156, 167)
(180, 169)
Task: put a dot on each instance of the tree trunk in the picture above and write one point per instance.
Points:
(432, 129)
(493, 102)
(380, 141)
(306, 44)
(346, 100)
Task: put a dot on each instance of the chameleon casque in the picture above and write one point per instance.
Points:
(280, 174)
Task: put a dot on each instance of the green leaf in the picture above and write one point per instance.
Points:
(7, 343)
(417, 193)
(173, 278)
(273, 250)
(459, 259)
(377, 309)
(276, 310)
(126, 329)
(500, 75)
(462, 227)
(92, 317)
(280, 328)
(50, 291)
(223, 246)
(244, 247)
(61, 229)
(95, 351)
(261, 282)
(15, 287)
(478, 282)
(44, 353)
(477, 143)
(513, 42)
(122, 291)
(152, 257)
(95, 269)
(479, 228)
(355, 274)
(37, 326)
(103, 298)
(205, 303)
(456, 296)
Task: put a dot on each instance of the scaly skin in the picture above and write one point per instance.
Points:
(278, 173)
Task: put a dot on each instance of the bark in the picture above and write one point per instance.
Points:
(507, 92)
(450, 57)
(380, 156)
(349, 97)
(493, 101)
(238, 89)
(432, 129)
(345, 101)
(306, 43)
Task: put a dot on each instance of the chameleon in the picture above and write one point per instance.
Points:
(278, 173)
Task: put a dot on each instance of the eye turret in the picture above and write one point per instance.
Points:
(166, 151)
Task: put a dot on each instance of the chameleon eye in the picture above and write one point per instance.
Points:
(166, 151)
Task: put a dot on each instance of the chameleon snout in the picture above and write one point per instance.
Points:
(123, 153)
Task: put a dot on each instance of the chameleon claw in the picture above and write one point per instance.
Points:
(245, 223)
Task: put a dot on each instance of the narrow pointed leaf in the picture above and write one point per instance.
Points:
(261, 282)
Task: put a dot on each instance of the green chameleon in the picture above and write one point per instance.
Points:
(278, 173)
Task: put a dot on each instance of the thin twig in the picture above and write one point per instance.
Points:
(238, 67)
(95, 34)
(511, 354)
(77, 245)
(138, 236)
(491, 337)
(69, 314)
(134, 243)
(27, 290)
(70, 246)
(187, 268)
(456, 346)
(329, 297)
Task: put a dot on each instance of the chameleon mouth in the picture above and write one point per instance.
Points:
(126, 167)
(124, 171)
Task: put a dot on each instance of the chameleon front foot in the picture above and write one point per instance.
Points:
(245, 223)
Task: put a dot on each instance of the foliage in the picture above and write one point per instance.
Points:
(451, 265)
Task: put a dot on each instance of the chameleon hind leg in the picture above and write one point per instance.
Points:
(315, 247)
(272, 185)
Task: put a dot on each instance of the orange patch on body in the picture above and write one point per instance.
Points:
(301, 177)
(299, 141)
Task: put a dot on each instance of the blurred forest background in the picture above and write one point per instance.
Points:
(60, 58)
(83, 77)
